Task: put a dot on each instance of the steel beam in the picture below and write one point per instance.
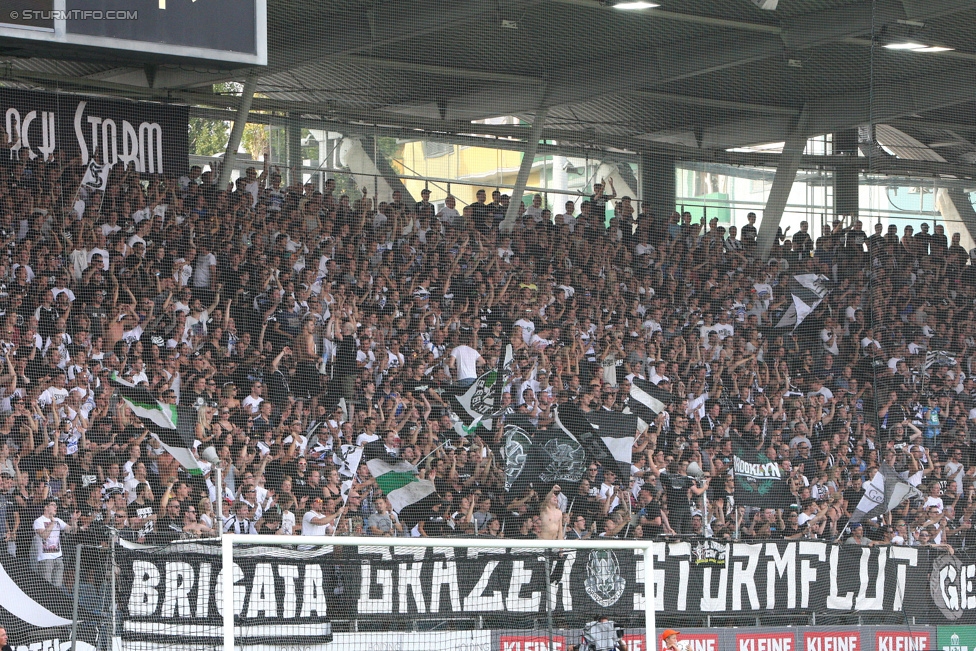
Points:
(789, 163)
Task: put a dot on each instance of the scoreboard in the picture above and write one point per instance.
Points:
(226, 33)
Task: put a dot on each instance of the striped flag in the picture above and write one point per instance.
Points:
(647, 400)
(166, 423)
(399, 483)
(616, 432)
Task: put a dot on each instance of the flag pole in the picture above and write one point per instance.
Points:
(421, 462)
(840, 532)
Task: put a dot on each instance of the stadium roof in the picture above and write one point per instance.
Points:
(697, 77)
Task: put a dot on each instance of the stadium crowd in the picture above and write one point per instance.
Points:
(295, 321)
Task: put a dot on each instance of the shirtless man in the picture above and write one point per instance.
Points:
(551, 517)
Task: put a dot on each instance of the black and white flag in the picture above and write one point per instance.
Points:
(886, 490)
(616, 432)
(480, 403)
(807, 291)
(346, 459)
(647, 400)
(939, 358)
(96, 176)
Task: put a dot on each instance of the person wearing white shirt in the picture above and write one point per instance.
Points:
(830, 338)
(609, 490)
(56, 393)
(568, 218)
(465, 360)
(253, 401)
(315, 523)
(534, 212)
(448, 214)
(204, 273)
(527, 327)
(47, 530)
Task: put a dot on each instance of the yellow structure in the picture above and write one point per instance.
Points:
(488, 169)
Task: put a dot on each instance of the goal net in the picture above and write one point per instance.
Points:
(417, 594)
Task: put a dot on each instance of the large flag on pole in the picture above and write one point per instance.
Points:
(480, 403)
(171, 425)
(886, 490)
(807, 291)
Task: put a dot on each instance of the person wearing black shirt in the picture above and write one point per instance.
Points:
(749, 232)
(480, 213)
(345, 364)
(802, 242)
(876, 243)
(923, 240)
(678, 487)
(424, 208)
(598, 202)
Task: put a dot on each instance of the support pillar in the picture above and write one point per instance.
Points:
(845, 174)
(295, 160)
(528, 157)
(964, 209)
(789, 163)
(243, 110)
(658, 180)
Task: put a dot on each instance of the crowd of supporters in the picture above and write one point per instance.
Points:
(295, 321)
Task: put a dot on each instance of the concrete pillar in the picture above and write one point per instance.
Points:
(560, 183)
(789, 163)
(846, 175)
(243, 110)
(295, 160)
(959, 209)
(528, 157)
(658, 178)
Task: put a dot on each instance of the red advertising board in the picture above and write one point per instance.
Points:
(690, 642)
(832, 641)
(902, 641)
(765, 642)
(532, 643)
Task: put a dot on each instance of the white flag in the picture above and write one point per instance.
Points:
(96, 176)
(347, 458)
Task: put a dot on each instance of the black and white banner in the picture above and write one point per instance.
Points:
(38, 615)
(294, 595)
(153, 137)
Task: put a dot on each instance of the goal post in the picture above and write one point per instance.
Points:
(469, 594)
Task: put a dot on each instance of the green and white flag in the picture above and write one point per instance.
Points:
(166, 423)
(399, 483)
(481, 402)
